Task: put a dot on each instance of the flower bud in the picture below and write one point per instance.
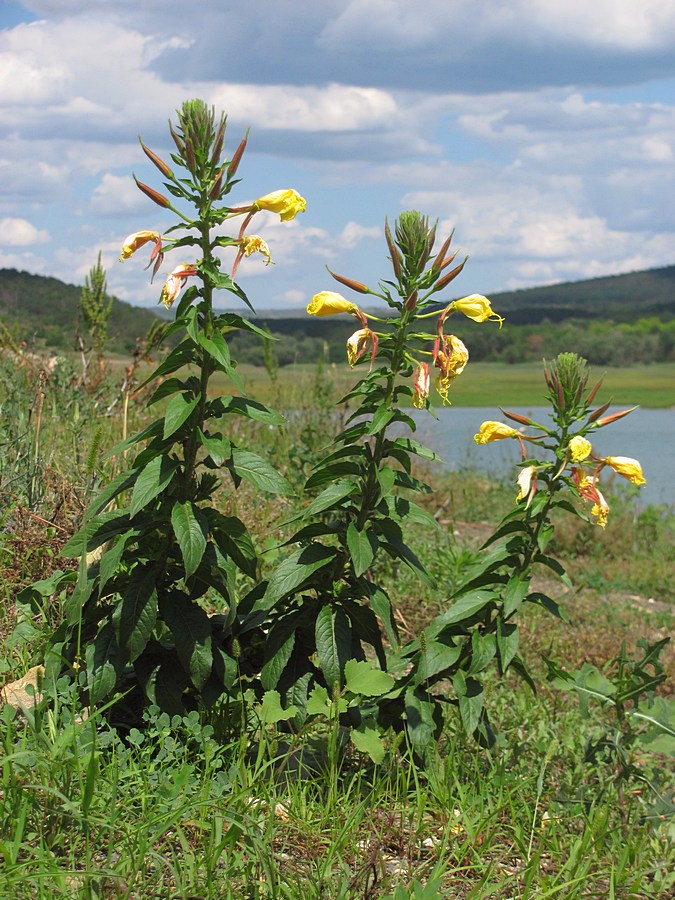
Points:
(350, 283)
(161, 165)
(452, 274)
(233, 165)
(154, 195)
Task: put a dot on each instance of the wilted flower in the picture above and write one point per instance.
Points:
(451, 360)
(494, 431)
(358, 343)
(589, 491)
(287, 203)
(626, 467)
(253, 243)
(421, 384)
(579, 448)
(137, 240)
(527, 483)
(477, 307)
(175, 282)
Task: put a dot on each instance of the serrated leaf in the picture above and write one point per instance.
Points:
(361, 677)
(361, 546)
(189, 528)
(258, 471)
(151, 481)
(294, 571)
(191, 632)
(136, 613)
(271, 711)
(178, 411)
(366, 738)
(333, 634)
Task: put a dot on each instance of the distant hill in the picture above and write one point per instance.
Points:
(43, 311)
(621, 298)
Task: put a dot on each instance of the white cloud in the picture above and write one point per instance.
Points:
(21, 233)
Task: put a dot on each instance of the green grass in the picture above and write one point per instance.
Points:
(185, 808)
(518, 385)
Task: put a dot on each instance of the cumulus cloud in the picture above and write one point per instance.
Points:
(21, 233)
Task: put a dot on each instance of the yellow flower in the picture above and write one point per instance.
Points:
(627, 467)
(601, 510)
(252, 243)
(579, 448)
(494, 431)
(451, 361)
(477, 307)
(138, 239)
(328, 303)
(527, 483)
(287, 203)
(358, 343)
(421, 383)
(175, 282)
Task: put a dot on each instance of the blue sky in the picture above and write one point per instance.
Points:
(543, 132)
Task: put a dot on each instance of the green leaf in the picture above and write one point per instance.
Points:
(483, 650)
(190, 530)
(331, 497)
(233, 540)
(361, 546)
(164, 687)
(437, 657)
(556, 567)
(178, 410)
(218, 447)
(104, 664)
(270, 710)
(216, 347)
(461, 610)
(252, 410)
(258, 471)
(386, 478)
(95, 532)
(381, 606)
(333, 634)
(331, 472)
(151, 481)
(507, 642)
(191, 632)
(411, 446)
(470, 695)
(514, 593)
(549, 604)
(166, 388)
(366, 739)
(278, 650)
(361, 677)
(180, 356)
(423, 718)
(380, 420)
(135, 615)
(297, 569)
(320, 704)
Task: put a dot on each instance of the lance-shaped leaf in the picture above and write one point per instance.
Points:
(333, 634)
(135, 615)
(258, 471)
(151, 481)
(178, 411)
(191, 630)
(362, 546)
(104, 664)
(190, 530)
(470, 695)
(331, 497)
(294, 572)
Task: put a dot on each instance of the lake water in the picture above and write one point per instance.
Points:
(647, 435)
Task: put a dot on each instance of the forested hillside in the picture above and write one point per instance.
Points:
(617, 320)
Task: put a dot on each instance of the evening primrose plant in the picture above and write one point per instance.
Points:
(332, 625)
(155, 552)
(478, 630)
